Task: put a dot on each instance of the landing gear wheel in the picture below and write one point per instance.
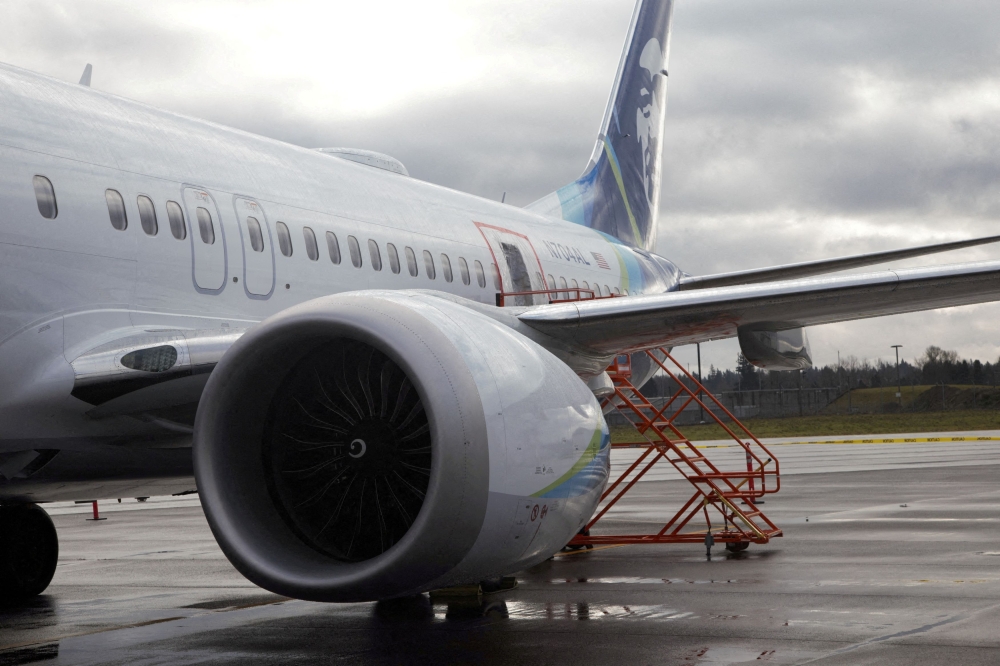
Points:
(29, 550)
(737, 546)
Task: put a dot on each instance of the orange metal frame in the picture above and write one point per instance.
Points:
(731, 495)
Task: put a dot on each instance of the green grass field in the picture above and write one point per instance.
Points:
(868, 399)
(854, 424)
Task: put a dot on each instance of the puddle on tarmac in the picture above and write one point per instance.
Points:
(726, 655)
(29, 655)
(526, 610)
(635, 580)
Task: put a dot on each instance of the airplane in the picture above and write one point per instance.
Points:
(376, 385)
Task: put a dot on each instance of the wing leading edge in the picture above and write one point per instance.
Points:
(616, 325)
(812, 268)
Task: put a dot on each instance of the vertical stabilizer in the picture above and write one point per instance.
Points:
(87, 71)
(619, 193)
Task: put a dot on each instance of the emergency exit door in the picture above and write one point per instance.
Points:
(518, 264)
(208, 241)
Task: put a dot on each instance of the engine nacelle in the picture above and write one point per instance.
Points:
(776, 350)
(378, 444)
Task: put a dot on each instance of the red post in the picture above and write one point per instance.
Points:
(97, 516)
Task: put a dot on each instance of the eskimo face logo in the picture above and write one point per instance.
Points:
(649, 115)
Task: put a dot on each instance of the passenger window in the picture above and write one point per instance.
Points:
(333, 245)
(463, 268)
(586, 285)
(429, 265)
(116, 209)
(284, 239)
(256, 237)
(625, 292)
(205, 226)
(176, 218)
(480, 275)
(352, 244)
(617, 292)
(563, 285)
(446, 268)
(607, 291)
(374, 254)
(393, 257)
(45, 197)
(147, 215)
(312, 250)
(551, 284)
(411, 261)
(576, 285)
(496, 278)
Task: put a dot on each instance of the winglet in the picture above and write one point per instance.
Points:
(87, 71)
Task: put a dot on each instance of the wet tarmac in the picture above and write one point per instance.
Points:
(858, 578)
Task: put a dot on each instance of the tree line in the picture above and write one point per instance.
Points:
(934, 366)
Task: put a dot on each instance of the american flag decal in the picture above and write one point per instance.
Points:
(601, 261)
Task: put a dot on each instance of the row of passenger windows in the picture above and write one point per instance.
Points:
(46, 200)
(374, 254)
(599, 290)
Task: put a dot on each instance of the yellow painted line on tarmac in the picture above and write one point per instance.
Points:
(887, 440)
(874, 440)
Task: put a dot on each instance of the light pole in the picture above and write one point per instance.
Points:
(701, 411)
(899, 386)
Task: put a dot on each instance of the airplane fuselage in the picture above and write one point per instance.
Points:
(245, 227)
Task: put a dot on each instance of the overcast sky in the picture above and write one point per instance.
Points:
(795, 129)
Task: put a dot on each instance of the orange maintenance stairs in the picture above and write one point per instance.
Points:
(731, 496)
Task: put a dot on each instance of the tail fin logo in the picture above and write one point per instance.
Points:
(649, 118)
(619, 192)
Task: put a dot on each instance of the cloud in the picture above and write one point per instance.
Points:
(795, 130)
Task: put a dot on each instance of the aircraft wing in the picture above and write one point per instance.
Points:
(811, 268)
(615, 325)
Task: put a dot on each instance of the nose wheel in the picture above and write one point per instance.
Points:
(29, 550)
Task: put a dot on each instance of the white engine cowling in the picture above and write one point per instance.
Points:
(378, 444)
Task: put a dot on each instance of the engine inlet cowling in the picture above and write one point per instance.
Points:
(379, 444)
(347, 451)
(341, 452)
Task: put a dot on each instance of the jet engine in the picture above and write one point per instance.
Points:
(379, 444)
